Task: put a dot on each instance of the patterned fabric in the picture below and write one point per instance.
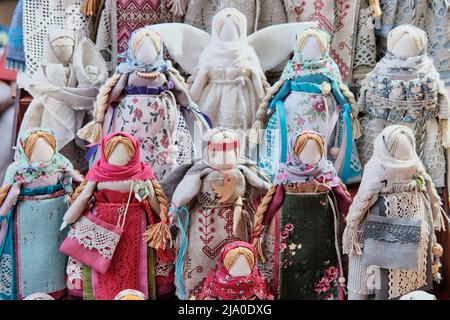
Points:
(15, 56)
(8, 290)
(132, 15)
(406, 92)
(40, 16)
(338, 18)
(305, 255)
(22, 170)
(40, 264)
(129, 266)
(153, 120)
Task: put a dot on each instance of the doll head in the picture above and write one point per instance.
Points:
(39, 146)
(312, 43)
(239, 261)
(39, 296)
(145, 45)
(119, 150)
(399, 142)
(223, 149)
(229, 25)
(61, 46)
(309, 148)
(407, 41)
(130, 294)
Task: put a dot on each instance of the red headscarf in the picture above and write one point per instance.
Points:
(221, 285)
(135, 169)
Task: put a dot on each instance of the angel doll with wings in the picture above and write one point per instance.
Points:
(227, 67)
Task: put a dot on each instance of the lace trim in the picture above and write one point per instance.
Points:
(92, 236)
(6, 274)
(408, 205)
(163, 269)
(74, 271)
(391, 232)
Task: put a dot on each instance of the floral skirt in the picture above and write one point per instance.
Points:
(302, 259)
(157, 123)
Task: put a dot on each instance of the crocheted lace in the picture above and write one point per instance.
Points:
(5, 274)
(92, 236)
(408, 205)
(74, 271)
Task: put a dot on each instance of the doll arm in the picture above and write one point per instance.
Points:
(154, 203)
(444, 111)
(200, 80)
(10, 199)
(343, 198)
(79, 205)
(117, 90)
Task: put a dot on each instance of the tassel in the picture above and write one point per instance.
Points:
(91, 132)
(438, 217)
(158, 236)
(178, 7)
(255, 136)
(90, 8)
(376, 9)
(356, 126)
(445, 132)
(351, 243)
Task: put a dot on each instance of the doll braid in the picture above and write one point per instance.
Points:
(92, 132)
(356, 125)
(158, 234)
(233, 255)
(90, 7)
(258, 224)
(177, 75)
(4, 192)
(261, 114)
(79, 190)
(34, 137)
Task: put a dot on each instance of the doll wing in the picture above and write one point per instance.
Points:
(274, 44)
(185, 43)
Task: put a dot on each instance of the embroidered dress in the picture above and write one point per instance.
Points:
(408, 92)
(30, 217)
(390, 233)
(299, 232)
(311, 97)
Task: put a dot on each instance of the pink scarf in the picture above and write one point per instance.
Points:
(135, 169)
(221, 285)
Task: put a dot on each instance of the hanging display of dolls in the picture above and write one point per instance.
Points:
(405, 88)
(297, 225)
(227, 67)
(310, 96)
(390, 232)
(214, 205)
(34, 198)
(64, 90)
(118, 203)
(236, 276)
(154, 106)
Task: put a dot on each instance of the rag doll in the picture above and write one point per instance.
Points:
(236, 276)
(155, 106)
(119, 190)
(64, 90)
(405, 89)
(390, 229)
(129, 294)
(227, 67)
(310, 96)
(214, 205)
(297, 224)
(34, 198)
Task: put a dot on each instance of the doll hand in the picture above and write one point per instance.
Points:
(63, 226)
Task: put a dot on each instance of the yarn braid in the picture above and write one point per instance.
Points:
(4, 192)
(92, 132)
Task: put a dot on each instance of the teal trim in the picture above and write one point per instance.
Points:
(349, 142)
(283, 130)
(306, 87)
(40, 191)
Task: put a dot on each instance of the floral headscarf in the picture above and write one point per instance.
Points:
(221, 285)
(299, 66)
(22, 170)
(294, 171)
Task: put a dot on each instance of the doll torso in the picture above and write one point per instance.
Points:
(211, 225)
(407, 100)
(229, 98)
(367, 278)
(149, 111)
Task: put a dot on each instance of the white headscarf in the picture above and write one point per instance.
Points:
(222, 54)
